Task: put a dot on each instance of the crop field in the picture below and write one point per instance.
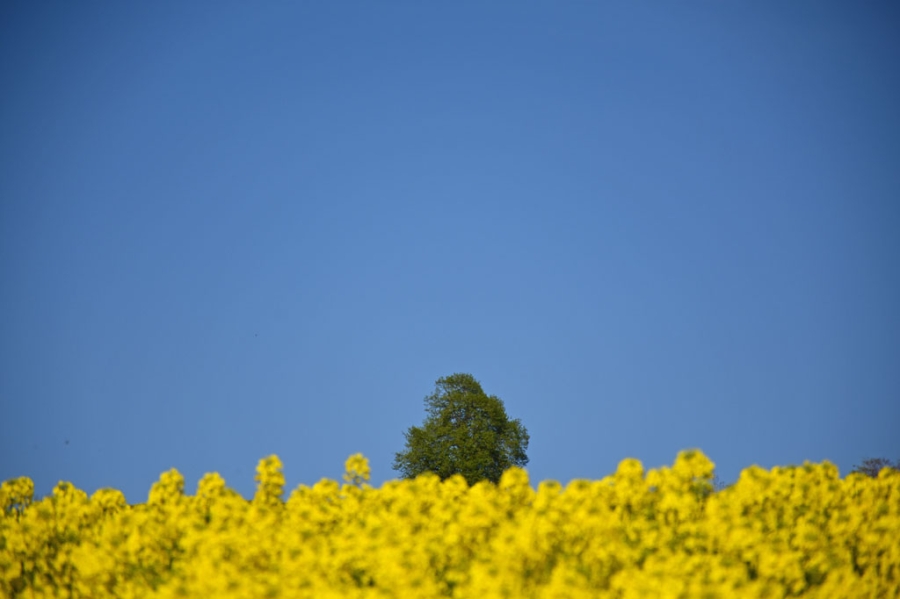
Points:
(786, 532)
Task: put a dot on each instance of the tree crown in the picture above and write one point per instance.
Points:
(465, 432)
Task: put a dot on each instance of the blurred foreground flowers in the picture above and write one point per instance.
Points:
(785, 532)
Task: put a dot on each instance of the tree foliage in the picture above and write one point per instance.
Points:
(465, 432)
(872, 466)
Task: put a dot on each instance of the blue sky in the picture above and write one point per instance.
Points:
(229, 230)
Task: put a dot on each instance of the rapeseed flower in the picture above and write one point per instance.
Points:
(798, 531)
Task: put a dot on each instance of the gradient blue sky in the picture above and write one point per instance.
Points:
(235, 229)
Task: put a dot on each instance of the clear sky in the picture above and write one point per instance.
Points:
(232, 229)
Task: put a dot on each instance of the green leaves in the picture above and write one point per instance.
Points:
(465, 432)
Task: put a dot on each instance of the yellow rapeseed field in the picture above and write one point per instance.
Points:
(785, 532)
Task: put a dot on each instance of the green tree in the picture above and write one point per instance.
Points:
(466, 432)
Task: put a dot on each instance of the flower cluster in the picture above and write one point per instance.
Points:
(785, 532)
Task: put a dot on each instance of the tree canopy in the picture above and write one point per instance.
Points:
(466, 432)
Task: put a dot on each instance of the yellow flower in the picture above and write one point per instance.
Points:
(356, 470)
(270, 481)
(799, 531)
